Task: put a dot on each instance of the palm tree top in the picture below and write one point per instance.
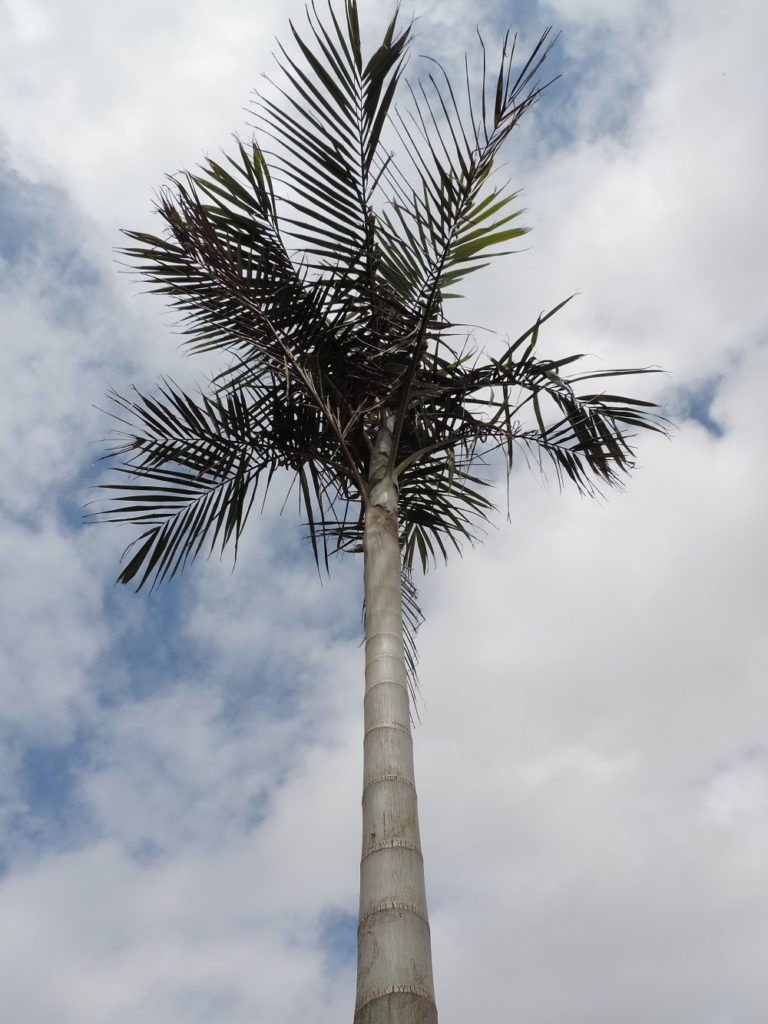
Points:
(319, 259)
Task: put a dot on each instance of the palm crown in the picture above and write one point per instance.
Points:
(320, 265)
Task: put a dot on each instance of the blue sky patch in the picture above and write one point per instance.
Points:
(338, 938)
(695, 403)
(50, 813)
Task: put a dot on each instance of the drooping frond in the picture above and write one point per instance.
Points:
(193, 467)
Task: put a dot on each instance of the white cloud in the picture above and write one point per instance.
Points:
(111, 99)
(116, 940)
(599, 742)
(52, 631)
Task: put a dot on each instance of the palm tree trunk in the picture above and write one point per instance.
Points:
(394, 965)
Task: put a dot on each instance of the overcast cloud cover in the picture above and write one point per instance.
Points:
(180, 774)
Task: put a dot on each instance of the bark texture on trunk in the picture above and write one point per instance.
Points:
(394, 958)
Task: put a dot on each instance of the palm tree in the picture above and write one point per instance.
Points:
(321, 266)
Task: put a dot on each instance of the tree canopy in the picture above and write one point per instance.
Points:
(319, 259)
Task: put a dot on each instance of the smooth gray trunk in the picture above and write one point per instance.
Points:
(394, 966)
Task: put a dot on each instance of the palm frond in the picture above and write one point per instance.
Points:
(189, 475)
(325, 128)
(227, 272)
(447, 218)
(191, 468)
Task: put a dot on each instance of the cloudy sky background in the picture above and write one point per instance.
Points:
(180, 774)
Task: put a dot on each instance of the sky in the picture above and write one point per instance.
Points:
(180, 773)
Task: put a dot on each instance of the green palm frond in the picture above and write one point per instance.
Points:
(451, 220)
(191, 471)
(442, 507)
(192, 468)
(325, 127)
(227, 271)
